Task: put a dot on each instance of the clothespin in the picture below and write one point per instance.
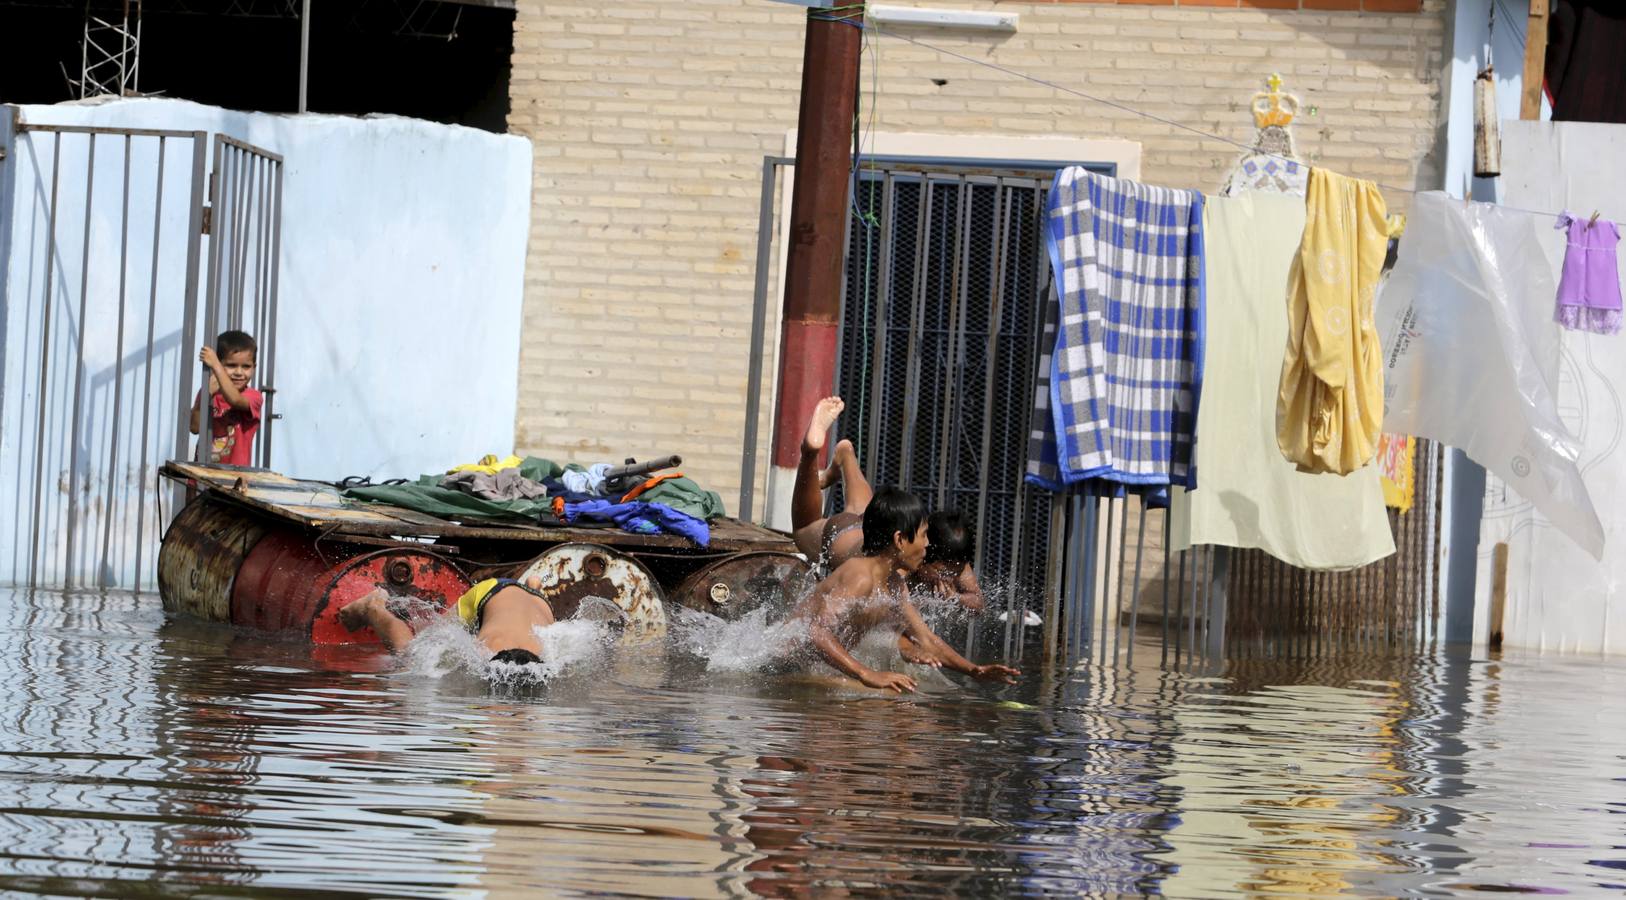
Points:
(1594, 220)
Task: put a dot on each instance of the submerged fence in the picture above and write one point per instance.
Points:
(942, 312)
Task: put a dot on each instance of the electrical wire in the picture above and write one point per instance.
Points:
(1122, 107)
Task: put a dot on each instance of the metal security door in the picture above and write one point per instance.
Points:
(940, 337)
(244, 224)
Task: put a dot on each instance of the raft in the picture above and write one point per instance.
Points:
(257, 549)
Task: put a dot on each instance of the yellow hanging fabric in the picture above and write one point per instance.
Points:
(488, 465)
(1395, 464)
(1329, 410)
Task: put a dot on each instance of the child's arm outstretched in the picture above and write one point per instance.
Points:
(924, 637)
(813, 610)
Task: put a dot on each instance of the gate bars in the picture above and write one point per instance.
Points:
(103, 326)
(245, 199)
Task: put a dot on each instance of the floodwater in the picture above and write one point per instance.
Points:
(145, 756)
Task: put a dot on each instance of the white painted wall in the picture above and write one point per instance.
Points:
(1471, 46)
(1558, 596)
(1474, 44)
(401, 278)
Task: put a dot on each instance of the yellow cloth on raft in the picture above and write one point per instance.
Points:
(488, 465)
(1329, 410)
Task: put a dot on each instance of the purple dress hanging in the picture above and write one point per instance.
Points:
(1589, 290)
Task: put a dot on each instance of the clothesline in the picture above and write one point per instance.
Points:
(1142, 113)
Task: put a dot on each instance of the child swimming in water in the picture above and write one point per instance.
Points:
(503, 614)
(871, 590)
(945, 579)
(946, 575)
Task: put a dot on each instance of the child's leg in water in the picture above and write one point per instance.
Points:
(370, 612)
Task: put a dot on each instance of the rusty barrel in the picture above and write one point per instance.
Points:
(569, 575)
(200, 555)
(739, 584)
(219, 562)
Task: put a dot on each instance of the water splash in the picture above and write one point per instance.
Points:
(444, 648)
(753, 644)
(747, 644)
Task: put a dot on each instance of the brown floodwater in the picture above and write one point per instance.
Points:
(142, 756)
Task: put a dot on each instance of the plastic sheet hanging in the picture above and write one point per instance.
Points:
(1472, 354)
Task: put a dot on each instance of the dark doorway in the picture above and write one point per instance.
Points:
(429, 59)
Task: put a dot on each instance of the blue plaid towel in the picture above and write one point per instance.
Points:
(1117, 397)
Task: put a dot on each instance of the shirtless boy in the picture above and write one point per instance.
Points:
(502, 613)
(871, 590)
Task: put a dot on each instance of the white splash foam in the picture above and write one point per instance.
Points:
(744, 645)
(444, 647)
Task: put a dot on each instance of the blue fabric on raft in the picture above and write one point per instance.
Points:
(641, 518)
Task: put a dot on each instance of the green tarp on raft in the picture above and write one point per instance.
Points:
(427, 496)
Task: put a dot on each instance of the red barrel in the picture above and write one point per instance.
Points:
(290, 584)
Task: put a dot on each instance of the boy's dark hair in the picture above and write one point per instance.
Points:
(234, 341)
(517, 657)
(950, 537)
(891, 511)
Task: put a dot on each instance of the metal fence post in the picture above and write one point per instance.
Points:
(759, 325)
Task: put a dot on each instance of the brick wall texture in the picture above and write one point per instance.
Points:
(650, 119)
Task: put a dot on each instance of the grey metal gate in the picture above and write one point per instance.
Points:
(244, 224)
(101, 251)
(940, 334)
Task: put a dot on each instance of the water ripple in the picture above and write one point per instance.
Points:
(139, 755)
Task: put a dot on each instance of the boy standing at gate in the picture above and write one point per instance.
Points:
(234, 407)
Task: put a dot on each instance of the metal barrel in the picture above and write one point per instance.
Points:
(568, 575)
(289, 584)
(736, 585)
(222, 564)
(201, 554)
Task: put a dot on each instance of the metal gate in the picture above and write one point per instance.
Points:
(102, 249)
(946, 274)
(244, 224)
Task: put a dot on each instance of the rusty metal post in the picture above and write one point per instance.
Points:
(818, 215)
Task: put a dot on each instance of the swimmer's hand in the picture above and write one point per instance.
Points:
(888, 681)
(1004, 674)
(914, 653)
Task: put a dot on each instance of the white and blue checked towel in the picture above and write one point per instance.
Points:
(1117, 397)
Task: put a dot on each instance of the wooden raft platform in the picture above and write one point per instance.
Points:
(321, 507)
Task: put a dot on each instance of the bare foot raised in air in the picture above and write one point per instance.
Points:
(824, 415)
(353, 615)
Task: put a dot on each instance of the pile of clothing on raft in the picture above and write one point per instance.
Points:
(540, 491)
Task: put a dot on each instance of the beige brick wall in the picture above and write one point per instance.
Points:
(650, 119)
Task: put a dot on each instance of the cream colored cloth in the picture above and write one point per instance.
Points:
(1248, 494)
(1330, 410)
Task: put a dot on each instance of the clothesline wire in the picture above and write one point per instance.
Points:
(1144, 114)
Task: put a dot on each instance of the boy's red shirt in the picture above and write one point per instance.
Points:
(234, 429)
